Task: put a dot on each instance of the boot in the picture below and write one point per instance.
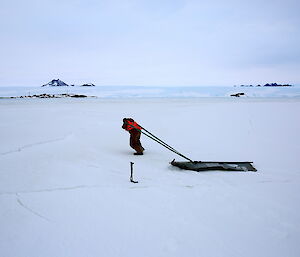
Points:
(138, 153)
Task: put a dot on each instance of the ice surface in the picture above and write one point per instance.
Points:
(65, 169)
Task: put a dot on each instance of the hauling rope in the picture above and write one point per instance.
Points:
(134, 128)
(132, 125)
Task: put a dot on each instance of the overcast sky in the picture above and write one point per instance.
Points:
(149, 42)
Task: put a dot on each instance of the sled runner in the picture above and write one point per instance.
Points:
(205, 166)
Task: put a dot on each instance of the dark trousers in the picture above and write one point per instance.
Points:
(135, 142)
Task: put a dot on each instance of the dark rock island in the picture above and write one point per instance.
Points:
(60, 83)
(268, 85)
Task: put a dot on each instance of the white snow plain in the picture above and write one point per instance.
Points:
(65, 189)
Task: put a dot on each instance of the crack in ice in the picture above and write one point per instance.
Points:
(35, 144)
(30, 210)
(50, 190)
(64, 189)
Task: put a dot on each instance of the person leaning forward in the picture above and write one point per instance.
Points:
(135, 133)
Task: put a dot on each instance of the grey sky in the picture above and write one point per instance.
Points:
(155, 42)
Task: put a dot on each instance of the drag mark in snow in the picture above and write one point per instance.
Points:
(30, 210)
(35, 144)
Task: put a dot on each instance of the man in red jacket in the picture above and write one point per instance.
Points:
(135, 133)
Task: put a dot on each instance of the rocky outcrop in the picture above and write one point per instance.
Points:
(268, 85)
(56, 83)
(88, 85)
(53, 96)
(238, 94)
(60, 83)
(277, 85)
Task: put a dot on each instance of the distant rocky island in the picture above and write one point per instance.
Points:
(56, 83)
(60, 83)
(238, 94)
(88, 85)
(51, 96)
(268, 85)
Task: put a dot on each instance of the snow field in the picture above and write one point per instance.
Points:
(65, 167)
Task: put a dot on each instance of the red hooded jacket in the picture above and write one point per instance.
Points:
(130, 124)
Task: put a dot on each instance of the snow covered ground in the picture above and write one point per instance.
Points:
(65, 167)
